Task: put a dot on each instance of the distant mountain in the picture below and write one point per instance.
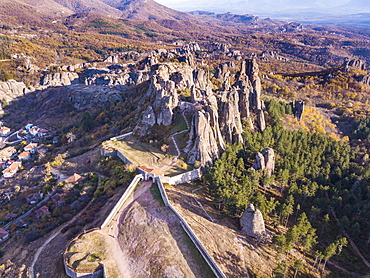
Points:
(97, 6)
(17, 11)
(31, 12)
(146, 9)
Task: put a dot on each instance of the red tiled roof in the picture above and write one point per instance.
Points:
(13, 167)
(30, 146)
(24, 154)
(153, 171)
(3, 232)
(74, 178)
(42, 211)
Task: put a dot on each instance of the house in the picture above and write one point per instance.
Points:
(12, 169)
(34, 198)
(57, 198)
(74, 178)
(42, 132)
(42, 211)
(39, 132)
(33, 130)
(56, 140)
(10, 215)
(24, 156)
(28, 126)
(31, 147)
(4, 131)
(20, 223)
(7, 153)
(4, 235)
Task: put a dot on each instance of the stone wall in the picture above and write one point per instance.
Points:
(122, 200)
(73, 272)
(186, 177)
(198, 244)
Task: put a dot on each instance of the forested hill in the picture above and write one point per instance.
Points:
(317, 197)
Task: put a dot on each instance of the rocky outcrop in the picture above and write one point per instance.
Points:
(355, 63)
(252, 71)
(252, 222)
(113, 59)
(230, 124)
(95, 96)
(191, 46)
(365, 79)
(298, 109)
(60, 79)
(217, 115)
(205, 143)
(265, 161)
(12, 89)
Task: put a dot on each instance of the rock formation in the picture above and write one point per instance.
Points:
(60, 79)
(252, 222)
(205, 143)
(265, 161)
(113, 59)
(269, 156)
(96, 96)
(230, 124)
(298, 109)
(252, 71)
(217, 115)
(355, 63)
(12, 89)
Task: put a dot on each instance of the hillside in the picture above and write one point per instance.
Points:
(274, 113)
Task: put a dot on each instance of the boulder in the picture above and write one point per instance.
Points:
(252, 222)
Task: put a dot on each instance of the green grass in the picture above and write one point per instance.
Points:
(154, 190)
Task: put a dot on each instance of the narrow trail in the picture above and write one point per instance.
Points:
(56, 233)
(172, 137)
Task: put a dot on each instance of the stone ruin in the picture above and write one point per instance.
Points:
(252, 223)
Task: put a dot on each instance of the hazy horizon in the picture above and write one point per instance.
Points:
(272, 7)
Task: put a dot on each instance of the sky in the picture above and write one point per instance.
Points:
(271, 7)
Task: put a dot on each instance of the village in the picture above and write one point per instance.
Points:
(26, 195)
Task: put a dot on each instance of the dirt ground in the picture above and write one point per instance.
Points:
(236, 254)
(150, 242)
(154, 242)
